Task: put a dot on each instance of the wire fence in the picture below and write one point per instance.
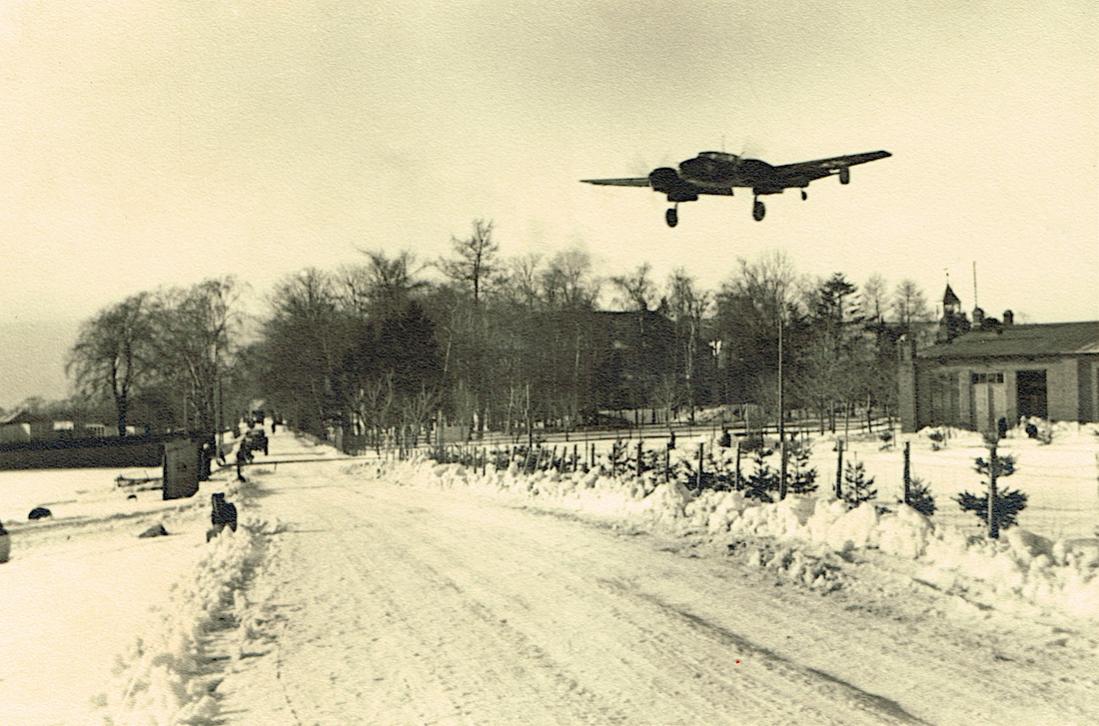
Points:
(1061, 481)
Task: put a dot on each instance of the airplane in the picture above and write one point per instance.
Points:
(718, 172)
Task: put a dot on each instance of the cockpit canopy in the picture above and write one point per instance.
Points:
(718, 156)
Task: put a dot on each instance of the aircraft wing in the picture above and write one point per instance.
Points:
(809, 170)
(641, 181)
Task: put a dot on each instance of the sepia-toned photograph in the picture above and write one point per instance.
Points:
(581, 362)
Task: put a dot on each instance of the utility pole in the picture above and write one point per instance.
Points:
(216, 423)
(781, 419)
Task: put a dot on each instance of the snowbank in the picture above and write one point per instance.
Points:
(1021, 567)
(161, 679)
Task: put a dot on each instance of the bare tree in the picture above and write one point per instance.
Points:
(909, 303)
(636, 290)
(522, 280)
(568, 281)
(687, 306)
(750, 306)
(373, 402)
(111, 354)
(193, 340)
(416, 411)
(391, 282)
(475, 261)
(874, 299)
(304, 341)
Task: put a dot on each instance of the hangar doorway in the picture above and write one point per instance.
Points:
(1030, 393)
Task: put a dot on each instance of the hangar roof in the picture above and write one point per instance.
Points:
(1021, 340)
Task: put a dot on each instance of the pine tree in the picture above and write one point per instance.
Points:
(858, 488)
(919, 497)
(763, 480)
(800, 477)
(1009, 502)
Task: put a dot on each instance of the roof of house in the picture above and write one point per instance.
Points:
(1021, 340)
(23, 416)
(949, 298)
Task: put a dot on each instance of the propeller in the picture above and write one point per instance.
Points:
(750, 149)
(642, 165)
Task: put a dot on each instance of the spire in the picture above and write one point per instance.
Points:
(949, 298)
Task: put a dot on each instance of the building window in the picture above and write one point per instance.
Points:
(987, 378)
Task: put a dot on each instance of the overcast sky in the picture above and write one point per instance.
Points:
(159, 143)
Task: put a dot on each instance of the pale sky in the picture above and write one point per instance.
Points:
(159, 143)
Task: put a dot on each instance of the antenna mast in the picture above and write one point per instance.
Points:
(975, 284)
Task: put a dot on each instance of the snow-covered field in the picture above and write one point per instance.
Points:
(98, 622)
(410, 592)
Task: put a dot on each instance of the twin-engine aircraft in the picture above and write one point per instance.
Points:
(717, 172)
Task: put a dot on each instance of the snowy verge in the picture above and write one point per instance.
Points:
(168, 676)
(1019, 568)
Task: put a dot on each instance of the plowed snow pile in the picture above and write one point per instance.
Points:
(1020, 569)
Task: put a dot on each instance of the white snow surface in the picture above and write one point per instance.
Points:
(410, 592)
(1021, 569)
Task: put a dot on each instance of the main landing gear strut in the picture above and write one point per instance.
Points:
(672, 216)
(758, 210)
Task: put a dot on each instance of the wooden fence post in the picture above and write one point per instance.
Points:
(993, 525)
(907, 470)
(698, 476)
(738, 479)
(667, 464)
(639, 444)
(839, 469)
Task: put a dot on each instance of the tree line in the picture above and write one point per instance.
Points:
(160, 358)
(390, 344)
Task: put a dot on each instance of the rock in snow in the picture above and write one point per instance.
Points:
(157, 530)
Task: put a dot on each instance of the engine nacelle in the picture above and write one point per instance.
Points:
(845, 175)
(667, 181)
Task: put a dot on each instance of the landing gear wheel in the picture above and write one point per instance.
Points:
(671, 217)
(804, 195)
(758, 210)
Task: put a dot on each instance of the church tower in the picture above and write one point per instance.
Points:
(953, 322)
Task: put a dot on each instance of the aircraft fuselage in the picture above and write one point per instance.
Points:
(717, 169)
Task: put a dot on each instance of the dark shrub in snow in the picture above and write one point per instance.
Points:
(800, 477)
(857, 487)
(39, 513)
(157, 530)
(1009, 502)
(919, 497)
(764, 480)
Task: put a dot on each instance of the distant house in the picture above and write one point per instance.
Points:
(23, 425)
(977, 373)
(26, 426)
(98, 429)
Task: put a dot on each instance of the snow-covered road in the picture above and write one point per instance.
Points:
(408, 605)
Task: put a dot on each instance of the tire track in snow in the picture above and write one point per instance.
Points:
(873, 704)
(425, 563)
(526, 662)
(703, 690)
(910, 630)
